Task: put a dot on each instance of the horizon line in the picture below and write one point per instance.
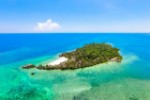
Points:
(75, 32)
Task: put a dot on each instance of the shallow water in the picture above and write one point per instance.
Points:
(128, 80)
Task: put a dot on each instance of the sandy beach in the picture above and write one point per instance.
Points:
(58, 61)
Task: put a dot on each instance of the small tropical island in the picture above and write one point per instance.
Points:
(86, 56)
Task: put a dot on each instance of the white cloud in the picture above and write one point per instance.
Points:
(49, 25)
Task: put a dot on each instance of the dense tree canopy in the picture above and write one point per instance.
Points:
(92, 54)
(88, 55)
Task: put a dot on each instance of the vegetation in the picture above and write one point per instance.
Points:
(89, 55)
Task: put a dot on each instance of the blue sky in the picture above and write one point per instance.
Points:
(74, 16)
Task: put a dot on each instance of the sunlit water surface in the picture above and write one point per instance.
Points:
(128, 80)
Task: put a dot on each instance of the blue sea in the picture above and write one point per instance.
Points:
(128, 80)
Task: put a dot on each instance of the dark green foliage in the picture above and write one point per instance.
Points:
(91, 54)
(41, 67)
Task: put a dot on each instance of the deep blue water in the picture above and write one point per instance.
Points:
(19, 49)
(43, 44)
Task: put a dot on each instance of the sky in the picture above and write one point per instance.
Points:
(31, 16)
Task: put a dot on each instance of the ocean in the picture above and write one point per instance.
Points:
(128, 80)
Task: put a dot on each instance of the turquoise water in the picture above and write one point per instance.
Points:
(129, 80)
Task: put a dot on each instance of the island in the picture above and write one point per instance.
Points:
(86, 56)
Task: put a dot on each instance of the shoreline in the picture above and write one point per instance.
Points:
(86, 56)
(58, 61)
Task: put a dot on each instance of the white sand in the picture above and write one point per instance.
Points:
(58, 61)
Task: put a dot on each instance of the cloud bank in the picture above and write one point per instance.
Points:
(47, 26)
